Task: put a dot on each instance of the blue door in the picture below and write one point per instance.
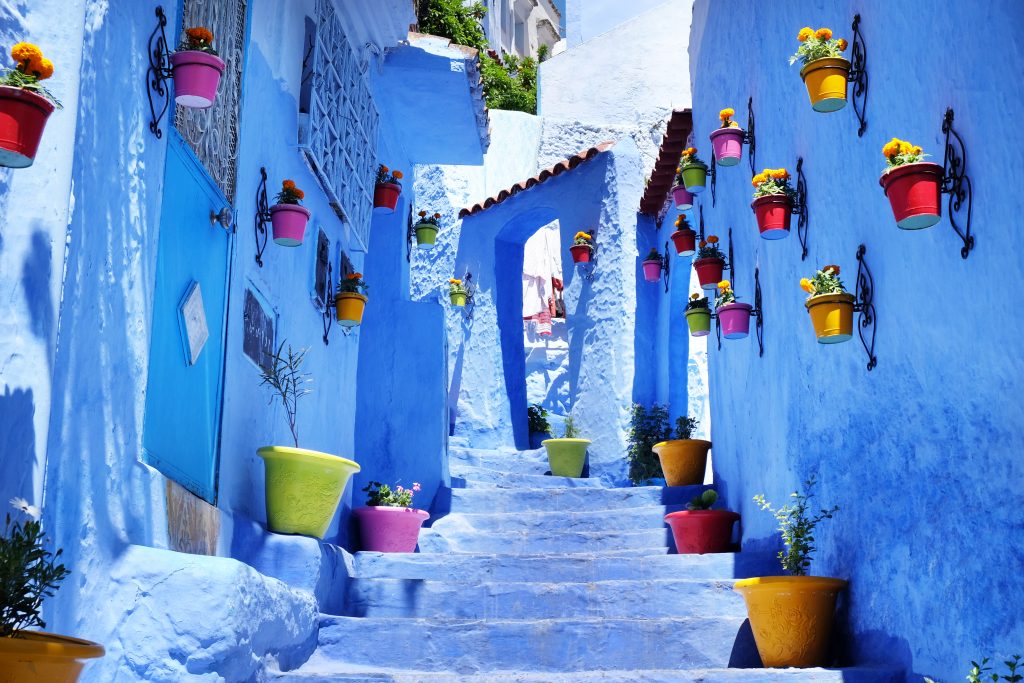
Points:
(181, 431)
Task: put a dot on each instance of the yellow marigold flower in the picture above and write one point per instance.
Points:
(906, 147)
(454, 281)
(724, 285)
(398, 175)
(805, 33)
(757, 180)
(891, 148)
(916, 150)
(726, 113)
(842, 44)
(695, 296)
(780, 174)
(806, 285)
(823, 34)
(26, 53)
(43, 69)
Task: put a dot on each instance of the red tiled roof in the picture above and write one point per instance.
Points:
(558, 169)
(680, 123)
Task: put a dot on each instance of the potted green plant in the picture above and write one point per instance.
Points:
(350, 301)
(303, 487)
(710, 263)
(698, 315)
(386, 190)
(426, 230)
(733, 315)
(913, 185)
(773, 202)
(288, 217)
(25, 105)
(540, 428)
(457, 292)
(196, 69)
(830, 306)
(685, 237)
(582, 247)
(699, 529)
(683, 459)
(791, 616)
(691, 176)
(389, 523)
(825, 72)
(567, 455)
(983, 673)
(29, 573)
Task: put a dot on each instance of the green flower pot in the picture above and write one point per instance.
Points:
(458, 298)
(699, 320)
(566, 456)
(303, 488)
(695, 177)
(426, 234)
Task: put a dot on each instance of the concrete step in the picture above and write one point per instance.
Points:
(548, 568)
(626, 519)
(445, 540)
(550, 645)
(643, 599)
(523, 462)
(552, 499)
(486, 478)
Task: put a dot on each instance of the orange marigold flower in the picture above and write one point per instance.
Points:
(689, 151)
(780, 174)
(712, 239)
(805, 33)
(398, 175)
(842, 44)
(384, 169)
(726, 113)
(806, 285)
(703, 244)
(26, 53)
(437, 215)
(288, 184)
(454, 281)
(199, 34)
(42, 69)
(757, 180)
(891, 148)
(834, 269)
(299, 193)
(422, 214)
(823, 34)
(355, 276)
(679, 169)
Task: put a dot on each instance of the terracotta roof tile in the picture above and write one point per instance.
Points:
(680, 123)
(559, 168)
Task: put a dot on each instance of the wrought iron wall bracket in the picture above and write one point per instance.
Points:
(158, 74)
(956, 183)
(714, 178)
(467, 309)
(800, 207)
(730, 265)
(718, 330)
(859, 77)
(864, 304)
(701, 231)
(261, 217)
(666, 266)
(328, 313)
(410, 234)
(748, 137)
(758, 313)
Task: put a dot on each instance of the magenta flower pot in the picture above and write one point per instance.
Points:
(390, 529)
(196, 77)
(289, 221)
(727, 144)
(735, 320)
(652, 270)
(683, 199)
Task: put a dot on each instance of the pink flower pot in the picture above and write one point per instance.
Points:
(390, 529)
(702, 531)
(196, 77)
(683, 199)
(289, 221)
(385, 197)
(773, 213)
(652, 270)
(23, 116)
(735, 320)
(914, 193)
(727, 144)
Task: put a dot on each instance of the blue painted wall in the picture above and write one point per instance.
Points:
(923, 453)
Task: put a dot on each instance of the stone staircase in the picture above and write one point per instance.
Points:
(538, 579)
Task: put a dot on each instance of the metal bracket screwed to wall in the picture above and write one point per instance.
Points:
(666, 267)
(757, 313)
(859, 77)
(956, 183)
(750, 140)
(261, 217)
(800, 207)
(864, 303)
(158, 74)
(328, 313)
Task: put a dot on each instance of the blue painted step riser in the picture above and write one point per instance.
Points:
(476, 477)
(627, 519)
(560, 499)
(853, 675)
(450, 540)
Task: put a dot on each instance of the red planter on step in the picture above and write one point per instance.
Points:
(580, 253)
(709, 272)
(385, 197)
(914, 193)
(702, 531)
(685, 242)
(23, 116)
(773, 213)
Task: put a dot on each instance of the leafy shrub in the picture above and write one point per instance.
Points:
(538, 419)
(646, 428)
(382, 495)
(569, 430)
(28, 574)
(797, 527)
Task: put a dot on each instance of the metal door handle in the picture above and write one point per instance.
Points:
(226, 218)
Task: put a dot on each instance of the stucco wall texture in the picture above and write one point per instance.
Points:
(922, 454)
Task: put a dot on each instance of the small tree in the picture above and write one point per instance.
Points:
(288, 382)
(797, 527)
(28, 573)
(646, 428)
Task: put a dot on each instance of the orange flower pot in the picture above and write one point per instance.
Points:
(832, 317)
(349, 307)
(39, 656)
(826, 81)
(683, 460)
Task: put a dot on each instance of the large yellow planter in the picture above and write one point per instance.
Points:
(45, 657)
(683, 460)
(826, 81)
(349, 308)
(832, 317)
(791, 617)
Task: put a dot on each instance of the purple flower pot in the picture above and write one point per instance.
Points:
(683, 199)
(390, 529)
(196, 77)
(727, 144)
(289, 221)
(735, 320)
(652, 270)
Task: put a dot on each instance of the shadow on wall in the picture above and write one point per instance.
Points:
(18, 439)
(35, 281)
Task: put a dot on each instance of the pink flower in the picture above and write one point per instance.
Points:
(416, 486)
(399, 489)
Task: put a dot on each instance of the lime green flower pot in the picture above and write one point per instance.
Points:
(303, 488)
(566, 456)
(695, 177)
(426, 235)
(699, 320)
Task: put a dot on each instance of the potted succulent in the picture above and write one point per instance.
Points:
(652, 265)
(830, 306)
(25, 105)
(196, 69)
(791, 616)
(389, 523)
(684, 238)
(646, 428)
(912, 185)
(567, 455)
(582, 247)
(540, 428)
(426, 230)
(691, 174)
(683, 460)
(733, 315)
(727, 141)
(386, 190)
(303, 487)
(773, 202)
(698, 315)
(29, 573)
(825, 71)
(288, 217)
(457, 292)
(699, 529)
(710, 263)
(350, 301)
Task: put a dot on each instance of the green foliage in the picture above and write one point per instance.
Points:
(817, 45)
(704, 501)
(353, 283)
(709, 249)
(382, 495)
(288, 382)
(542, 53)
(653, 255)
(538, 419)
(18, 79)
(797, 527)
(983, 673)
(569, 430)
(646, 428)
(454, 20)
(685, 426)
(512, 85)
(28, 574)
(697, 301)
(825, 281)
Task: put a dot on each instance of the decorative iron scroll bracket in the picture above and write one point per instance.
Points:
(748, 137)
(718, 330)
(730, 266)
(467, 283)
(956, 183)
(666, 267)
(158, 74)
(409, 235)
(864, 303)
(859, 77)
(714, 178)
(701, 231)
(800, 207)
(328, 313)
(758, 313)
(262, 217)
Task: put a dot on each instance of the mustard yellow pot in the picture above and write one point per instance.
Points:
(683, 460)
(349, 307)
(826, 81)
(832, 317)
(38, 656)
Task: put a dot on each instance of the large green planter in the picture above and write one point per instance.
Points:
(695, 177)
(303, 488)
(426, 234)
(699, 320)
(458, 298)
(566, 456)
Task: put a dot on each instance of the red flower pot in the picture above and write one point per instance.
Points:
(385, 197)
(580, 253)
(685, 241)
(23, 116)
(702, 531)
(773, 212)
(709, 271)
(914, 191)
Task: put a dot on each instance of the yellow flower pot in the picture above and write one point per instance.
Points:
(791, 617)
(349, 307)
(826, 81)
(45, 657)
(683, 461)
(832, 317)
